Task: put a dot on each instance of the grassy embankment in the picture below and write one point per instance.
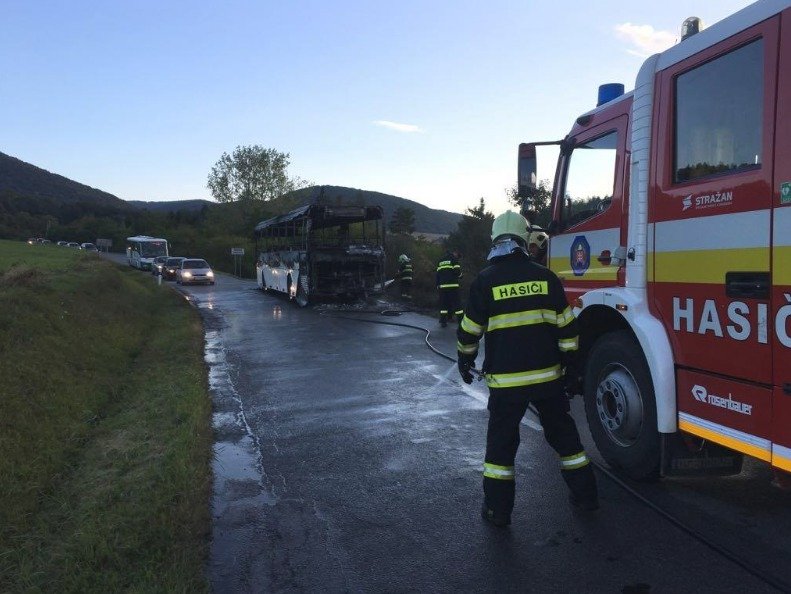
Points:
(105, 436)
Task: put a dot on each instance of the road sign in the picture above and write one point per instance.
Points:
(237, 251)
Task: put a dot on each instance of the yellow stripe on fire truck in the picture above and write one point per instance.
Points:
(758, 447)
(708, 266)
(781, 256)
(688, 251)
(781, 457)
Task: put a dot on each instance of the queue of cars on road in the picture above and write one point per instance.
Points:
(185, 271)
(86, 246)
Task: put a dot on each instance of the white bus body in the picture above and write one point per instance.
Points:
(142, 249)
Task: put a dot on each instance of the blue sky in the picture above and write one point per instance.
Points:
(424, 100)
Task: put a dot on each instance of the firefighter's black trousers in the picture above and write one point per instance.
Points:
(449, 304)
(406, 287)
(502, 440)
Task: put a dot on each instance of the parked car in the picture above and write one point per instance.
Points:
(89, 247)
(158, 264)
(73, 244)
(170, 268)
(194, 270)
(63, 243)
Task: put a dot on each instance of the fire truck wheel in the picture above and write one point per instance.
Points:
(621, 407)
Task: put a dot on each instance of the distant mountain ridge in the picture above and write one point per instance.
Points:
(30, 181)
(52, 189)
(171, 205)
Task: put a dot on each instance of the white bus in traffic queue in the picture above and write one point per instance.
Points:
(142, 249)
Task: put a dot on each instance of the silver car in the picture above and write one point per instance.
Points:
(158, 265)
(194, 270)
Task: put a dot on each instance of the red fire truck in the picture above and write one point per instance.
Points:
(671, 230)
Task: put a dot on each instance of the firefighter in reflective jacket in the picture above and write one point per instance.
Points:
(448, 275)
(405, 276)
(531, 338)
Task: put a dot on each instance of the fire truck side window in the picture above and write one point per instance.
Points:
(719, 115)
(590, 179)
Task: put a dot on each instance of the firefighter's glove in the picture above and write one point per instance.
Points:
(572, 383)
(466, 363)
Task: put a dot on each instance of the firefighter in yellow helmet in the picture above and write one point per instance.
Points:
(405, 276)
(530, 358)
(448, 277)
(537, 244)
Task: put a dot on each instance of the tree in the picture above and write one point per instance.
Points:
(250, 174)
(473, 237)
(537, 207)
(402, 222)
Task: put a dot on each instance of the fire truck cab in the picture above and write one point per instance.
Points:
(671, 231)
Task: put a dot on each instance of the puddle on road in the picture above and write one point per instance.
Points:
(234, 461)
(434, 413)
(237, 465)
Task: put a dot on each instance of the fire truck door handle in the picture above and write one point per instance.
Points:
(753, 285)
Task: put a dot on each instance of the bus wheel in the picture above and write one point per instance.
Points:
(302, 292)
(621, 407)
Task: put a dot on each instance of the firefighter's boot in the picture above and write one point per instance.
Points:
(498, 501)
(498, 519)
(582, 486)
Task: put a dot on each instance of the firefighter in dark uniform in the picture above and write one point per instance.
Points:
(405, 276)
(530, 358)
(448, 275)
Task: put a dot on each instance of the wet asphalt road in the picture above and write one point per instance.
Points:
(348, 459)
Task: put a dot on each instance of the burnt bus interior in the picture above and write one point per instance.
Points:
(340, 247)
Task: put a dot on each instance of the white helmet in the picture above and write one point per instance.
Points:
(510, 223)
(403, 259)
(539, 238)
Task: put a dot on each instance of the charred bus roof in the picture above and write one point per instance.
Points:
(323, 216)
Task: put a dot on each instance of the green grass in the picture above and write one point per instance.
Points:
(105, 437)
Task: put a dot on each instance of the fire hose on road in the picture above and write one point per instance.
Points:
(770, 580)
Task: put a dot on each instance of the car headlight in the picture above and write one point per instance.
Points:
(210, 274)
(187, 274)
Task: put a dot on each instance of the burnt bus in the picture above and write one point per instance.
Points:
(322, 252)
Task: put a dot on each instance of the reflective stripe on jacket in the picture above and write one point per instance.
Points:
(448, 273)
(405, 271)
(531, 332)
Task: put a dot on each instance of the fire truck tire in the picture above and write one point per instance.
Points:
(621, 407)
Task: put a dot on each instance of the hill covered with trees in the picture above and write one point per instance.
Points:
(29, 181)
(37, 203)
